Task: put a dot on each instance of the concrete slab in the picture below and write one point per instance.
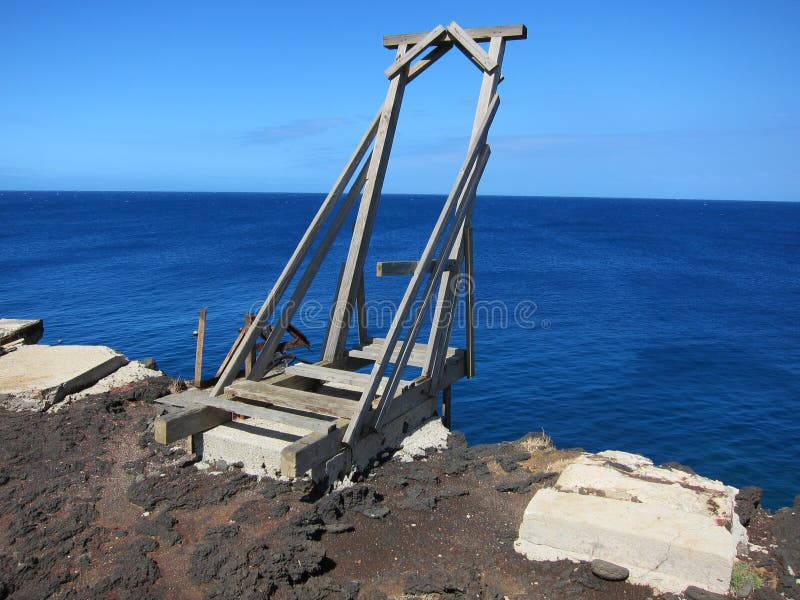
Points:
(671, 529)
(28, 330)
(254, 442)
(37, 377)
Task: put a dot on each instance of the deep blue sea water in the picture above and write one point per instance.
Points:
(668, 328)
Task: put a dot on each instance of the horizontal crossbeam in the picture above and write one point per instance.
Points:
(479, 34)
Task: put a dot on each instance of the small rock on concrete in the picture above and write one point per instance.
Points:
(609, 571)
(695, 593)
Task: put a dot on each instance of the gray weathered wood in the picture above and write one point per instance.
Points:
(374, 351)
(389, 268)
(361, 311)
(339, 376)
(290, 398)
(464, 207)
(469, 271)
(426, 61)
(174, 426)
(471, 48)
(274, 338)
(380, 365)
(440, 335)
(479, 34)
(228, 356)
(198, 354)
(322, 423)
(265, 312)
(298, 457)
(420, 47)
(447, 407)
(362, 232)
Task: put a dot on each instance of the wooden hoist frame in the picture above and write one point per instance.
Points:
(351, 415)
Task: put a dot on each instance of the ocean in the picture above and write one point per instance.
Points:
(662, 327)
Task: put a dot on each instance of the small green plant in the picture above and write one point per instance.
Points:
(742, 573)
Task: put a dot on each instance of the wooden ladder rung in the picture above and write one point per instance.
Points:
(374, 350)
(260, 391)
(322, 424)
(339, 376)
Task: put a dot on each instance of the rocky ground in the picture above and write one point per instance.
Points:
(91, 507)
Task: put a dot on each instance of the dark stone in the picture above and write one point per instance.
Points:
(609, 571)
(748, 501)
(524, 484)
(678, 467)
(376, 512)
(337, 528)
(766, 593)
(160, 527)
(324, 588)
(695, 593)
(150, 363)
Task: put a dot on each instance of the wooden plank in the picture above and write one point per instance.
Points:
(338, 376)
(274, 338)
(298, 457)
(375, 350)
(388, 268)
(322, 424)
(198, 353)
(447, 407)
(362, 232)
(290, 398)
(426, 61)
(299, 254)
(470, 303)
(361, 312)
(479, 34)
(248, 358)
(471, 48)
(476, 148)
(420, 47)
(174, 426)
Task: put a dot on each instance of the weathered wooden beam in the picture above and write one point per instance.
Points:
(469, 271)
(420, 47)
(248, 358)
(361, 312)
(479, 34)
(322, 423)
(362, 232)
(388, 268)
(471, 48)
(298, 457)
(198, 353)
(299, 254)
(228, 356)
(447, 407)
(174, 426)
(276, 395)
(274, 338)
(426, 61)
(348, 378)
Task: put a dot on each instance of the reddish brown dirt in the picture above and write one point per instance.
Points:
(91, 507)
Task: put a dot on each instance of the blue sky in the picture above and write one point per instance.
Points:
(632, 99)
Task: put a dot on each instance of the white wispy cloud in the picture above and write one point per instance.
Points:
(274, 134)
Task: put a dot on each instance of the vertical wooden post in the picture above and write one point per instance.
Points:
(198, 354)
(447, 407)
(339, 324)
(361, 313)
(469, 309)
(248, 359)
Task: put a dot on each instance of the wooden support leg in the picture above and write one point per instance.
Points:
(198, 354)
(361, 313)
(447, 407)
(248, 360)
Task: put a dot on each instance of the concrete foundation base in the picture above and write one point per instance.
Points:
(671, 529)
(36, 377)
(255, 443)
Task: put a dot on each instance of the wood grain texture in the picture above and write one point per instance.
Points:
(479, 34)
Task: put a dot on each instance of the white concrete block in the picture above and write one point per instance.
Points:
(670, 529)
(255, 442)
(36, 377)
